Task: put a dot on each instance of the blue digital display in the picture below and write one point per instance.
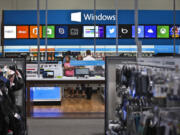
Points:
(150, 31)
(61, 31)
(45, 93)
(140, 31)
(111, 32)
(165, 49)
(104, 17)
(87, 63)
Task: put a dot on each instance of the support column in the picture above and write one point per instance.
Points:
(138, 43)
(117, 28)
(174, 17)
(38, 39)
(46, 40)
(94, 27)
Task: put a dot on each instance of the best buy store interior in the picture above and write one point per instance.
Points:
(45, 31)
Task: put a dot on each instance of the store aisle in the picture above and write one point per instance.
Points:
(66, 126)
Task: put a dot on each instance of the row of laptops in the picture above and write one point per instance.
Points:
(79, 72)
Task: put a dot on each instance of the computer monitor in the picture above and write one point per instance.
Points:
(48, 74)
(81, 72)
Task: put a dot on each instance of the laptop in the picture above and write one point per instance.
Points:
(81, 72)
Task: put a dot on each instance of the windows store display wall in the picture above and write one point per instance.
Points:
(80, 19)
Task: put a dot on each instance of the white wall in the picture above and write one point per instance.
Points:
(5, 4)
(88, 4)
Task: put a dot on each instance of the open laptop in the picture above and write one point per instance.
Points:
(81, 72)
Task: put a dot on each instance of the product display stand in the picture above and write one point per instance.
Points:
(110, 92)
(13, 96)
(142, 96)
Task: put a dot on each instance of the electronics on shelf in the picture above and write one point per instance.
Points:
(81, 72)
(48, 74)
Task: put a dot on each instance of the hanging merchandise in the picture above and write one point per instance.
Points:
(12, 97)
(147, 98)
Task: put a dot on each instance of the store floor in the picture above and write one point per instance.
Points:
(66, 127)
(73, 108)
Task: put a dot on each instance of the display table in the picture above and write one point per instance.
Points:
(65, 79)
(35, 82)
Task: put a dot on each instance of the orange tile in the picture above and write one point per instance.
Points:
(34, 32)
(23, 32)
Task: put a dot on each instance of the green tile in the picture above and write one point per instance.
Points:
(163, 31)
(50, 32)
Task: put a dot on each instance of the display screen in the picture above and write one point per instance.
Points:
(88, 32)
(87, 63)
(50, 31)
(140, 31)
(150, 32)
(50, 73)
(23, 32)
(45, 94)
(61, 31)
(163, 31)
(111, 32)
(177, 31)
(34, 32)
(9, 32)
(125, 31)
(81, 71)
(75, 31)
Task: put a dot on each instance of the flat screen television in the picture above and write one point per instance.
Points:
(40, 94)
